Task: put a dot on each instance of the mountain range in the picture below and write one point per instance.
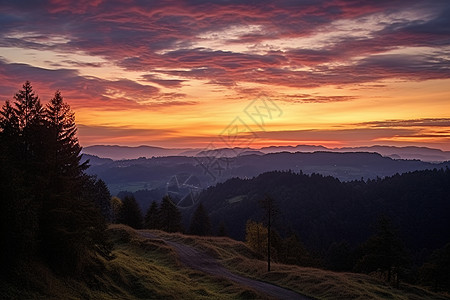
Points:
(125, 152)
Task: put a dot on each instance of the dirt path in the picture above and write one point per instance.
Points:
(201, 261)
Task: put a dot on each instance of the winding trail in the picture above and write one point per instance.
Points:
(203, 262)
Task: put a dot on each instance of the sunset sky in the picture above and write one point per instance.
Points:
(237, 73)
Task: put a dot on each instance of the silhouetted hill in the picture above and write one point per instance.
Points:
(138, 174)
(95, 160)
(124, 152)
(411, 152)
(322, 209)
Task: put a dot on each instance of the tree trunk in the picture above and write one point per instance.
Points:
(268, 241)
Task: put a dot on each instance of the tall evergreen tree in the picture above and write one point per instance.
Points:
(200, 223)
(71, 222)
(169, 216)
(29, 114)
(28, 106)
(65, 149)
(152, 217)
(20, 179)
(9, 122)
(130, 213)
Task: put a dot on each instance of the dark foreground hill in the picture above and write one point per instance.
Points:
(148, 265)
(323, 210)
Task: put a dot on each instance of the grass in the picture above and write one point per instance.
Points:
(316, 283)
(142, 269)
(149, 269)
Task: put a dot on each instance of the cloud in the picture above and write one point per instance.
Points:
(308, 98)
(161, 36)
(169, 83)
(427, 122)
(84, 92)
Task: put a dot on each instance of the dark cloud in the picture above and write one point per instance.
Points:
(308, 98)
(158, 36)
(427, 122)
(119, 131)
(84, 91)
(170, 83)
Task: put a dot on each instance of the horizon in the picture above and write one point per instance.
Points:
(208, 75)
(259, 148)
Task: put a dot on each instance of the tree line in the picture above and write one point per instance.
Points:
(50, 209)
(163, 216)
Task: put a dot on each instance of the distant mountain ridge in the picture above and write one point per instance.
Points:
(125, 152)
(116, 152)
(159, 172)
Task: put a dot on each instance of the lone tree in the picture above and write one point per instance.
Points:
(270, 212)
(200, 223)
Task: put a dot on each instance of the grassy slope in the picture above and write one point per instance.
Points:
(142, 269)
(149, 269)
(317, 283)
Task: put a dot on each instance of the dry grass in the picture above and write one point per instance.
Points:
(142, 269)
(149, 269)
(316, 283)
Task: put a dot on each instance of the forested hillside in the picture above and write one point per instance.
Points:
(323, 210)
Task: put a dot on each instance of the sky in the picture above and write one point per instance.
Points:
(182, 74)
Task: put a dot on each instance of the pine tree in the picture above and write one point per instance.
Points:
(152, 217)
(169, 216)
(222, 231)
(98, 191)
(28, 106)
(130, 213)
(9, 122)
(383, 251)
(30, 116)
(65, 149)
(200, 223)
(19, 176)
(72, 222)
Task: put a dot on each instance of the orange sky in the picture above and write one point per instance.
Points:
(336, 73)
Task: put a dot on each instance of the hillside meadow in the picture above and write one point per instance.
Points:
(150, 269)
